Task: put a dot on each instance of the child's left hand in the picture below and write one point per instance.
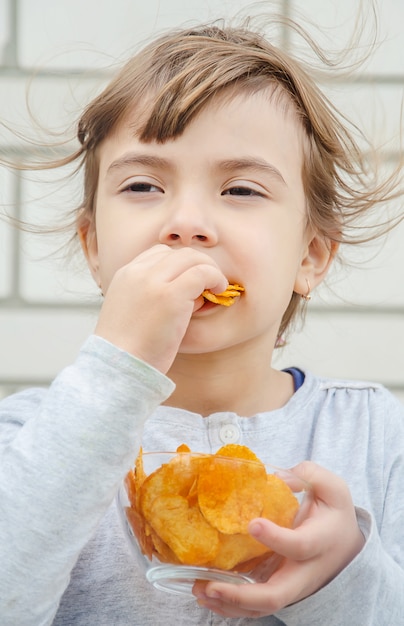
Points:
(312, 554)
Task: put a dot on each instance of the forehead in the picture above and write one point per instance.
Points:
(186, 107)
(268, 103)
(229, 128)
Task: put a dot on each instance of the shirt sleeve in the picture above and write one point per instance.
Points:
(369, 591)
(62, 459)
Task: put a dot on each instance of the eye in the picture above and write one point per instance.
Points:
(240, 190)
(141, 187)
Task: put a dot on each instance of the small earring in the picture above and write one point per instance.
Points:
(306, 296)
(280, 342)
(101, 291)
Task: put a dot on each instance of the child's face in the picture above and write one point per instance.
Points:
(230, 186)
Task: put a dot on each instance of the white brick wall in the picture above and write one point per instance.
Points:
(63, 52)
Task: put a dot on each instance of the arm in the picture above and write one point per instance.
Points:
(60, 471)
(319, 582)
(368, 590)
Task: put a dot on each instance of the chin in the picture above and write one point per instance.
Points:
(196, 345)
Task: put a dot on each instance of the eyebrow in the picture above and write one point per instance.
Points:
(252, 164)
(227, 165)
(134, 158)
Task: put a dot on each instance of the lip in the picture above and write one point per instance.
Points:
(211, 307)
(206, 307)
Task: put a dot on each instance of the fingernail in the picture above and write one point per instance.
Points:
(284, 474)
(255, 529)
(201, 596)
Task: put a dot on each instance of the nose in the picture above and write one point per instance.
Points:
(188, 224)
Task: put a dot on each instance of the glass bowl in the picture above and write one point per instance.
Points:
(186, 514)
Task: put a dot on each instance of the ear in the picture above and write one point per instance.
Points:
(88, 239)
(316, 262)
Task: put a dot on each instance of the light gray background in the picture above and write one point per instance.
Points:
(61, 53)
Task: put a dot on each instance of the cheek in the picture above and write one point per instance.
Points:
(122, 235)
(114, 251)
(269, 266)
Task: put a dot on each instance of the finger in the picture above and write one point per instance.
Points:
(189, 271)
(178, 288)
(194, 280)
(325, 485)
(174, 262)
(230, 611)
(317, 533)
(250, 600)
(287, 585)
(298, 544)
(198, 303)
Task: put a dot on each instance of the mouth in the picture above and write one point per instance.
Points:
(227, 297)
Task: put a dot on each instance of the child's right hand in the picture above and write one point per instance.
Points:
(149, 302)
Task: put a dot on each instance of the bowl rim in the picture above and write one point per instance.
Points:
(281, 472)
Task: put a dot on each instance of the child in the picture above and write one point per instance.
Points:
(211, 158)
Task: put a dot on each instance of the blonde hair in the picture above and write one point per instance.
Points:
(168, 82)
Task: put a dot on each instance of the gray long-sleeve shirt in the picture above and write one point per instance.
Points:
(64, 451)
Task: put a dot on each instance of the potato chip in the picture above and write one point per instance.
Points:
(133, 481)
(280, 505)
(231, 492)
(235, 450)
(261, 567)
(139, 469)
(161, 549)
(176, 479)
(131, 488)
(141, 529)
(192, 496)
(184, 530)
(236, 549)
(173, 478)
(227, 297)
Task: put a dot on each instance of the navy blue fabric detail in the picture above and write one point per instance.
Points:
(298, 376)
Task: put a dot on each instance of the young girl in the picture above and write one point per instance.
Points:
(211, 158)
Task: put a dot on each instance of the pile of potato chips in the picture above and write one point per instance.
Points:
(195, 509)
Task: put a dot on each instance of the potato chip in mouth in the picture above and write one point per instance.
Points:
(227, 297)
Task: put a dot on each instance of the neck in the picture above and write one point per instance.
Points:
(228, 381)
